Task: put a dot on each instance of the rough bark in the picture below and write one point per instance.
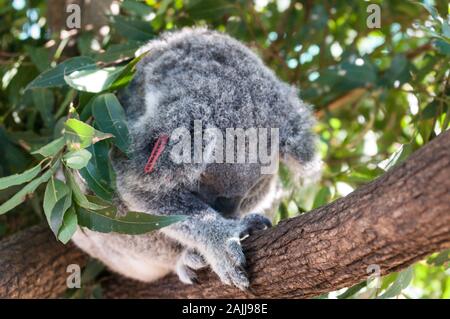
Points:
(33, 264)
(391, 222)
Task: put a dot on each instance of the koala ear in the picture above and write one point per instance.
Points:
(297, 139)
(298, 148)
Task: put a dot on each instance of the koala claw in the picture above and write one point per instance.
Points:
(253, 223)
(189, 261)
(225, 255)
(229, 262)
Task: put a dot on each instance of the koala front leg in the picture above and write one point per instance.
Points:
(213, 237)
(218, 241)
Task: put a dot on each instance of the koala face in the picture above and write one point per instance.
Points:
(225, 186)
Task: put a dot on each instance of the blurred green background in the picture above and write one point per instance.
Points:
(378, 93)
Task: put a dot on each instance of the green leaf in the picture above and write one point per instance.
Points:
(443, 47)
(441, 259)
(98, 173)
(54, 192)
(39, 56)
(80, 135)
(106, 221)
(352, 290)
(21, 196)
(397, 157)
(120, 51)
(403, 280)
(322, 197)
(399, 70)
(94, 80)
(85, 105)
(43, 101)
(128, 73)
(52, 148)
(57, 213)
(131, 29)
(362, 175)
(110, 118)
(77, 159)
(139, 8)
(69, 226)
(21, 178)
(55, 77)
(79, 197)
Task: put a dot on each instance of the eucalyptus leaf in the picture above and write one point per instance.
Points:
(322, 197)
(80, 135)
(128, 73)
(132, 29)
(39, 56)
(403, 280)
(51, 149)
(78, 195)
(18, 179)
(352, 290)
(54, 192)
(397, 157)
(133, 223)
(44, 101)
(98, 173)
(441, 259)
(21, 196)
(110, 118)
(55, 77)
(57, 213)
(69, 226)
(77, 159)
(94, 80)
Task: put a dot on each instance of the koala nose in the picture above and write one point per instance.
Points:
(227, 206)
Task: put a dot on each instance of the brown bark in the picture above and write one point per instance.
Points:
(391, 222)
(33, 264)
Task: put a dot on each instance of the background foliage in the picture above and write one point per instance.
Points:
(379, 94)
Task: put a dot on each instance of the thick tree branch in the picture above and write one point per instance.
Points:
(33, 264)
(392, 222)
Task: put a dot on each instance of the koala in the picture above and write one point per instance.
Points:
(189, 75)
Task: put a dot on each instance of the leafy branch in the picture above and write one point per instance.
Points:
(82, 151)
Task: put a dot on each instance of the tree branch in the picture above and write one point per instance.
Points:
(391, 222)
(33, 264)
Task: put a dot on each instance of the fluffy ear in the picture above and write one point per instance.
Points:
(296, 137)
(299, 147)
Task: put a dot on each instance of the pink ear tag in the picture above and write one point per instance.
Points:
(160, 144)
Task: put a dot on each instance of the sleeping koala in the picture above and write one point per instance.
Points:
(188, 76)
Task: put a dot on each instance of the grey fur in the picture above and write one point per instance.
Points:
(196, 74)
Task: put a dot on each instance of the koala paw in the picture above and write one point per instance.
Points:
(189, 261)
(253, 223)
(223, 252)
(227, 259)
